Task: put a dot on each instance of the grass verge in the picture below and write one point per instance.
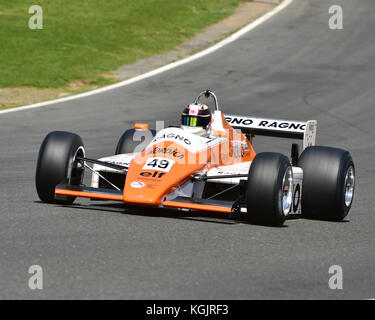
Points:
(86, 39)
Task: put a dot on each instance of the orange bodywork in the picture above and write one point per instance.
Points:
(153, 185)
(158, 183)
(91, 195)
(141, 126)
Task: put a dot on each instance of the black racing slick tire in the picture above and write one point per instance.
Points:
(56, 164)
(269, 189)
(133, 140)
(328, 183)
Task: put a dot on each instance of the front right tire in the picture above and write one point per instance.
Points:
(56, 163)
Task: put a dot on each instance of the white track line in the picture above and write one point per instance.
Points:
(167, 67)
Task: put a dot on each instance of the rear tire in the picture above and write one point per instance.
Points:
(131, 140)
(269, 189)
(328, 183)
(56, 164)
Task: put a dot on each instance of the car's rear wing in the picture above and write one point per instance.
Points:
(305, 131)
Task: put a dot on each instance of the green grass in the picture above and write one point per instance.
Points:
(87, 38)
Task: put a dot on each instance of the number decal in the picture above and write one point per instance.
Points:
(152, 163)
(161, 164)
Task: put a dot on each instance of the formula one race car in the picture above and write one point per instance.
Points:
(206, 164)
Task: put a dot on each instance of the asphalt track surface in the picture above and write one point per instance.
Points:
(293, 66)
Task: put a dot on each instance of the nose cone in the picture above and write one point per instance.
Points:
(145, 186)
(155, 173)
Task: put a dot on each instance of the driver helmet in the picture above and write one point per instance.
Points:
(196, 118)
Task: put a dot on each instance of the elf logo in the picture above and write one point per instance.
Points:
(155, 174)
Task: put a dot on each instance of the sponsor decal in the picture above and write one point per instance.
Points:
(238, 151)
(245, 146)
(125, 164)
(193, 143)
(262, 123)
(155, 174)
(243, 121)
(225, 173)
(173, 136)
(137, 184)
(170, 151)
(228, 173)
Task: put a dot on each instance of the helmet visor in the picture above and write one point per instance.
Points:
(195, 121)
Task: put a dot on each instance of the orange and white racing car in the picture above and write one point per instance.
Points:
(205, 165)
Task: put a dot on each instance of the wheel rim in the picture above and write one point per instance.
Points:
(287, 189)
(77, 168)
(349, 186)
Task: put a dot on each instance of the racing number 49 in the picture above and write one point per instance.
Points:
(161, 164)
